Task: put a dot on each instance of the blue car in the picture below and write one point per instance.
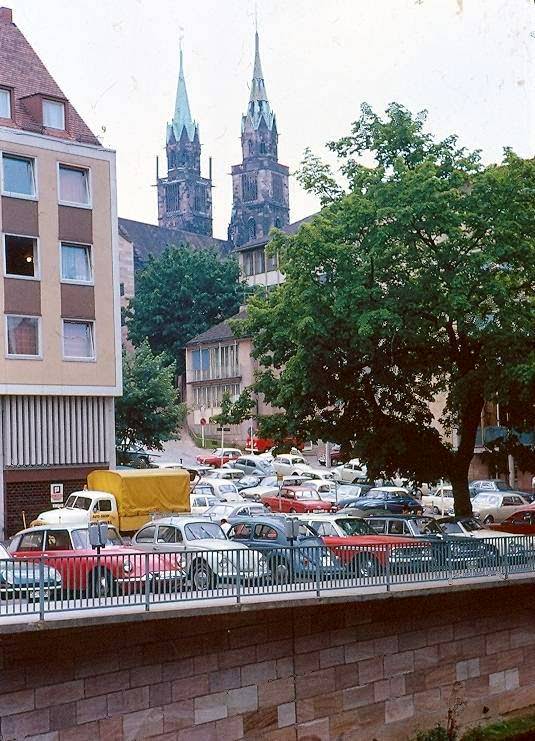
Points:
(384, 499)
(22, 578)
(301, 558)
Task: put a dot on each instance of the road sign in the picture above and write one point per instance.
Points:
(203, 422)
(223, 429)
(56, 494)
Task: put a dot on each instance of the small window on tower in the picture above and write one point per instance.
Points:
(263, 148)
(249, 186)
(277, 188)
(172, 198)
(251, 229)
(251, 148)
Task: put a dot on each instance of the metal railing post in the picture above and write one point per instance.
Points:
(238, 578)
(387, 568)
(506, 560)
(318, 570)
(147, 583)
(41, 588)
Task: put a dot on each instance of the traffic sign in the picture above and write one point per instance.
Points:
(203, 422)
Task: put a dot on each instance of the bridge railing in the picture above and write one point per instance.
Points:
(52, 582)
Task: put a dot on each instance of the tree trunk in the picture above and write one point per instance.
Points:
(461, 493)
(461, 459)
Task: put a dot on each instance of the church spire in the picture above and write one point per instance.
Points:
(258, 101)
(182, 116)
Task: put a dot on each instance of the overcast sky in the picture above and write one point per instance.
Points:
(469, 62)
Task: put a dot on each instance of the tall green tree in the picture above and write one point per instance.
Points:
(149, 412)
(180, 294)
(412, 290)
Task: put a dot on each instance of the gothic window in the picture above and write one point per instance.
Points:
(250, 144)
(200, 198)
(277, 223)
(263, 149)
(277, 188)
(251, 229)
(249, 187)
(172, 198)
(171, 160)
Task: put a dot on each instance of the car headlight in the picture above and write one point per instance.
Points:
(127, 566)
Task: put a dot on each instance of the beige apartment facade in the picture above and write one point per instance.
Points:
(60, 359)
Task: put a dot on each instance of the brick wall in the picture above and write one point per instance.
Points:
(32, 497)
(353, 671)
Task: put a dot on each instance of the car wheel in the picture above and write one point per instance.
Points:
(100, 583)
(281, 571)
(202, 576)
(367, 565)
(489, 519)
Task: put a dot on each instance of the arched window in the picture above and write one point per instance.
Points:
(263, 149)
(278, 223)
(251, 229)
(251, 148)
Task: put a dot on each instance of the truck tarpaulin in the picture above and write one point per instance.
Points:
(142, 492)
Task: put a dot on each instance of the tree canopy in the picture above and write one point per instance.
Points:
(180, 294)
(149, 412)
(408, 302)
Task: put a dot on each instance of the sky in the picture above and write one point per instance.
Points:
(468, 62)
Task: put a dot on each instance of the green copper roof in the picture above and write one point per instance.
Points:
(182, 115)
(258, 101)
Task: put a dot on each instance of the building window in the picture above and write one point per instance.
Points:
(263, 148)
(121, 289)
(20, 255)
(249, 186)
(18, 176)
(76, 263)
(248, 263)
(251, 148)
(53, 114)
(277, 223)
(172, 198)
(78, 342)
(74, 185)
(271, 260)
(277, 188)
(200, 198)
(23, 336)
(5, 103)
(259, 261)
(251, 229)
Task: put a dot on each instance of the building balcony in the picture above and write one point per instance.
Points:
(492, 434)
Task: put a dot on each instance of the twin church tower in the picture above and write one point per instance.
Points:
(259, 183)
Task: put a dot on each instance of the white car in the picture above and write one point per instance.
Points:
(441, 501)
(209, 557)
(285, 464)
(221, 488)
(469, 527)
(199, 502)
(228, 473)
(313, 473)
(351, 472)
(326, 489)
(224, 510)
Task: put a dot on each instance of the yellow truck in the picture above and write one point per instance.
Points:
(126, 499)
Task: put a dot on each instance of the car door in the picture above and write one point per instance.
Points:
(60, 555)
(145, 538)
(519, 523)
(510, 504)
(30, 546)
(168, 539)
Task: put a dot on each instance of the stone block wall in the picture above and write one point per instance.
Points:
(354, 671)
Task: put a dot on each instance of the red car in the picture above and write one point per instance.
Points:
(521, 522)
(219, 457)
(263, 444)
(118, 568)
(359, 547)
(295, 499)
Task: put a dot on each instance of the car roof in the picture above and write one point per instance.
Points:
(392, 516)
(56, 526)
(452, 518)
(180, 520)
(272, 519)
(329, 515)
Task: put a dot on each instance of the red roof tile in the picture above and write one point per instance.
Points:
(23, 71)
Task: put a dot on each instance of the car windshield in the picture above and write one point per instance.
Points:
(355, 527)
(204, 531)
(269, 481)
(218, 452)
(501, 486)
(486, 500)
(80, 538)
(307, 494)
(224, 488)
(78, 502)
(426, 525)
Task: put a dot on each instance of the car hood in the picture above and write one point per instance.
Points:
(63, 515)
(213, 544)
(376, 540)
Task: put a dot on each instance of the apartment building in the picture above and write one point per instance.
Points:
(60, 364)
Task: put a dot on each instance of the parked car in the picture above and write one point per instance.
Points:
(496, 506)
(462, 553)
(521, 522)
(267, 486)
(389, 498)
(336, 458)
(363, 551)
(195, 472)
(484, 485)
(224, 511)
(313, 473)
(252, 464)
(268, 535)
(199, 502)
(285, 465)
(229, 474)
(19, 579)
(263, 445)
(220, 488)
(351, 472)
(209, 558)
(353, 491)
(509, 547)
(326, 489)
(219, 456)
(295, 499)
(118, 568)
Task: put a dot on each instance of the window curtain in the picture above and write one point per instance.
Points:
(75, 264)
(73, 185)
(22, 336)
